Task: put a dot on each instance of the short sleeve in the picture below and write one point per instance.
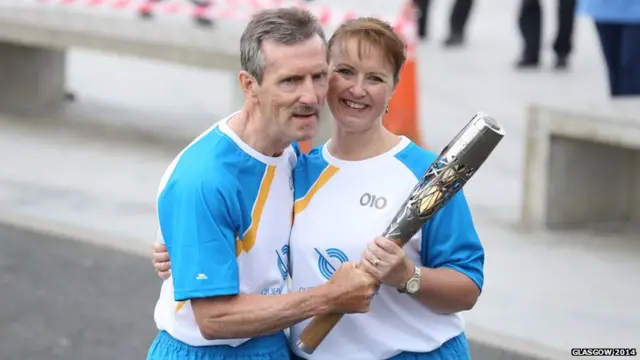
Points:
(196, 223)
(450, 240)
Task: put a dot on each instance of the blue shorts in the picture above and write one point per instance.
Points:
(456, 348)
(271, 347)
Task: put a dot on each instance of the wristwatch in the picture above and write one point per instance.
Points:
(413, 284)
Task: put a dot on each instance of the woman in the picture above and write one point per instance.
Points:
(348, 190)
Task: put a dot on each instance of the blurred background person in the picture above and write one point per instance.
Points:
(530, 24)
(618, 26)
(457, 21)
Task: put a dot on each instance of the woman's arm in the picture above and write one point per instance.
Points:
(452, 260)
(446, 291)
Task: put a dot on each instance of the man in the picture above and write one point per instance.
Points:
(225, 206)
(618, 26)
(530, 24)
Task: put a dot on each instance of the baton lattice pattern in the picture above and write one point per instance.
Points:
(444, 180)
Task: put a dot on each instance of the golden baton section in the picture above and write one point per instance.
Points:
(430, 199)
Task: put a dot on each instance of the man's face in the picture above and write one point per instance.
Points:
(294, 87)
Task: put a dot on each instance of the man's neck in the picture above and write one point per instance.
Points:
(251, 128)
(361, 146)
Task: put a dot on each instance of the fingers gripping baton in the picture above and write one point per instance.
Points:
(448, 173)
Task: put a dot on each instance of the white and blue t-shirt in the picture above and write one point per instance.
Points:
(225, 214)
(340, 207)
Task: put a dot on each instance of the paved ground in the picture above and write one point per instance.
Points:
(67, 300)
(64, 300)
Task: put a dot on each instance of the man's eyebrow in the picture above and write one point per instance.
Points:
(298, 76)
(290, 76)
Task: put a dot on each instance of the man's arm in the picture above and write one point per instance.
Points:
(247, 315)
(453, 259)
(200, 236)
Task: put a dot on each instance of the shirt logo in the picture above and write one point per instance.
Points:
(283, 260)
(330, 260)
(370, 200)
(201, 277)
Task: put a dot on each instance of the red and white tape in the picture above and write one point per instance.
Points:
(242, 10)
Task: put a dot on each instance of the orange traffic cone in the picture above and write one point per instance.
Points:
(306, 146)
(403, 117)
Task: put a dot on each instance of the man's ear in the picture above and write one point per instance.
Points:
(248, 84)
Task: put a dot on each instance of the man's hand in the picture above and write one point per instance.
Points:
(351, 289)
(160, 260)
(387, 262)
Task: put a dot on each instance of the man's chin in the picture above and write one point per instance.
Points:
(306, 133)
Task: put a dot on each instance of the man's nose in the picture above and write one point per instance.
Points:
(308, 94)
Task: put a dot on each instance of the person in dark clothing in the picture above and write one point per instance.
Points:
(618, 26)
(457, 21)
(530, 24)
(621, 49)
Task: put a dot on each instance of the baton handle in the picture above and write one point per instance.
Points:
(315, 332)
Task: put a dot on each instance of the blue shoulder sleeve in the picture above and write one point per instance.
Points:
(196, 220)
(450, 240)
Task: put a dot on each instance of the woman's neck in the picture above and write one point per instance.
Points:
(351, 146)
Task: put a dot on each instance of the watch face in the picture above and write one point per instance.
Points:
(413, 285)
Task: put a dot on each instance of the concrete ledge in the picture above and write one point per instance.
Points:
(36, 38)
(49, 27)
(32, 79)
(582, 167)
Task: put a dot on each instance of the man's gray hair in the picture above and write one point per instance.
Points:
(287, 26)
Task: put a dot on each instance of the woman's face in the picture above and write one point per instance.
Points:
(360, 85)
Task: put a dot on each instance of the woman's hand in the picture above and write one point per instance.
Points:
(387, 262)
(160, 260)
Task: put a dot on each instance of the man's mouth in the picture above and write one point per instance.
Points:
(304, 116)
(354, 104)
